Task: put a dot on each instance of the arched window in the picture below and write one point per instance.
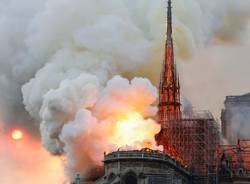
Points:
(130, 178)
(241, 172)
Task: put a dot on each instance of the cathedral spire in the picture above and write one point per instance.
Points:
(169, 20)
(169, 93)
(169, 99)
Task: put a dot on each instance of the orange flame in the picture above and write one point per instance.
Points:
(134, 131)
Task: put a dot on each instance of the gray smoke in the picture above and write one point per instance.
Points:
(236, 118)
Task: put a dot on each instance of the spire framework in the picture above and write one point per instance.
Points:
(169, 94)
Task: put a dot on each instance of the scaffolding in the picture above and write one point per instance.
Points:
(189, 138)
(233, 161)
(192, 141)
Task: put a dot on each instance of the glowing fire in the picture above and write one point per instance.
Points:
(134, 131)
(17, 134)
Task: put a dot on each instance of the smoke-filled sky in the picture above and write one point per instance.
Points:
(73, 71)
(26, 162)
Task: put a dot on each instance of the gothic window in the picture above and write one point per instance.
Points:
(130, 178)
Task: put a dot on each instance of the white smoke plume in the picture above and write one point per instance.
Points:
(111, 123)
(59, 58)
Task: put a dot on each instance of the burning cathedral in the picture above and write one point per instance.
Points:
(189, 139)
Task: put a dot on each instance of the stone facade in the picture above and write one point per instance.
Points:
(142, 167)
(235, 180)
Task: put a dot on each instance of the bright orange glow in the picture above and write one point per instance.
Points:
(18, 166)
(17, 134)
(134, 131)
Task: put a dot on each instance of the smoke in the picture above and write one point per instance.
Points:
(59, 59)
(240, 123)
(236, 118)
(237, 14)
(83, 119)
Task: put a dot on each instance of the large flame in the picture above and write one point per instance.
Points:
(118, 118)
(133, 131)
